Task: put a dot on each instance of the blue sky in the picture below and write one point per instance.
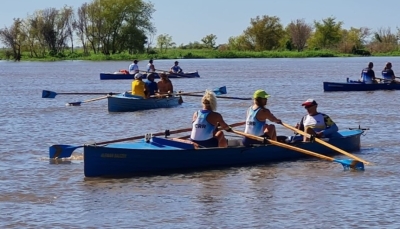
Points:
(191, 20)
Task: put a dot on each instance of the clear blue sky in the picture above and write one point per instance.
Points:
(191, 20)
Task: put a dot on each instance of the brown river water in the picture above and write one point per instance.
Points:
(37, 193)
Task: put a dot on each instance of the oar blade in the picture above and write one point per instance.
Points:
(220, 91)
(62, 151)
(351, 164)
(74, 104)
(48, 94)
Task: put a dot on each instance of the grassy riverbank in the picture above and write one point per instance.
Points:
(191, 54)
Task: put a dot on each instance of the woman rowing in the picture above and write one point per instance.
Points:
(205, 124)
(256, 118)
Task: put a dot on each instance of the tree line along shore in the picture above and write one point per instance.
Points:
(123, 30)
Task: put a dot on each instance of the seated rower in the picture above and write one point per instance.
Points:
(205, 124)
(368, 75)
(139, 88)
(257, 115)
(151, 85)
(388, 74)
(164, 85)
(314, 123)
(176, 68)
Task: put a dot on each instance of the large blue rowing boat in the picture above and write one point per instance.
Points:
(155, 155)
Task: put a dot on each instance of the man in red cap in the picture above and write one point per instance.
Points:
(317, 124)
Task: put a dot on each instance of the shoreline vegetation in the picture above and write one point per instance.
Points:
(190, 54)
(124, 30)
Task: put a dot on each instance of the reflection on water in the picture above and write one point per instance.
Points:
(38, 193)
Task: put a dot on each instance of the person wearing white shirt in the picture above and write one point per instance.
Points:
(134, 68)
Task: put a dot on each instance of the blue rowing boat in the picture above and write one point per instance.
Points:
(351, 85)
(121, 76)
(155, 155)
(126, 102)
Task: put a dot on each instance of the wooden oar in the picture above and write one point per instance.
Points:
(224, 97)
(52, 94)
(346, 163)
(325, 143)
(178, 74)
(86, 101)
(219, 128)
(217, 91)
(63, 151)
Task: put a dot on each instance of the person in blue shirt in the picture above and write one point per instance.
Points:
(388, 74)
(151, 85)
(176, 68)
(368, 75)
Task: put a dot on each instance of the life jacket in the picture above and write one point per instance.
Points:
(124, 71)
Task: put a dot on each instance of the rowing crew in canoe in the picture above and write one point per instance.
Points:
(206, 120)
(150, 87)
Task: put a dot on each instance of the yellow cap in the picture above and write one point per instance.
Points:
(260, 94)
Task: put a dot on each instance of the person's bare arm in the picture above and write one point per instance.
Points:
(194, 116)
(271, 117)
(216, 118)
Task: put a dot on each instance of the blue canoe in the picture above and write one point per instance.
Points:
(162, 155)
(125, 103)
(120, 76)
(359, 86)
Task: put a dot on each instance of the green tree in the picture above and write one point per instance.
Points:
(209, 40)
(353, 39)
(116, 25)
(264, 33)
(239, 43)
(164, 41)
(328, 34)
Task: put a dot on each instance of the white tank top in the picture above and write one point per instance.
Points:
(316, 122)
(253, 125)
(202, 130)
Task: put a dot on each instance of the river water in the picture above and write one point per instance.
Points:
(37, 193)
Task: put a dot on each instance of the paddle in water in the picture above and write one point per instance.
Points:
(51, 94)
(346, 163)
(325, 143)
(218, 91)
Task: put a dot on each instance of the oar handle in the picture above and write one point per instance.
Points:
(283, 145)
(325, 143)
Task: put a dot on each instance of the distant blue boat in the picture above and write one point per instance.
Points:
(155, 155)
(125, 103)
(359, 86)
(121, 76)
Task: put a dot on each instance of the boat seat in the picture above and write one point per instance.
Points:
(234, 142)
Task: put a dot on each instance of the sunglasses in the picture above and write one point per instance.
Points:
(308, 106)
